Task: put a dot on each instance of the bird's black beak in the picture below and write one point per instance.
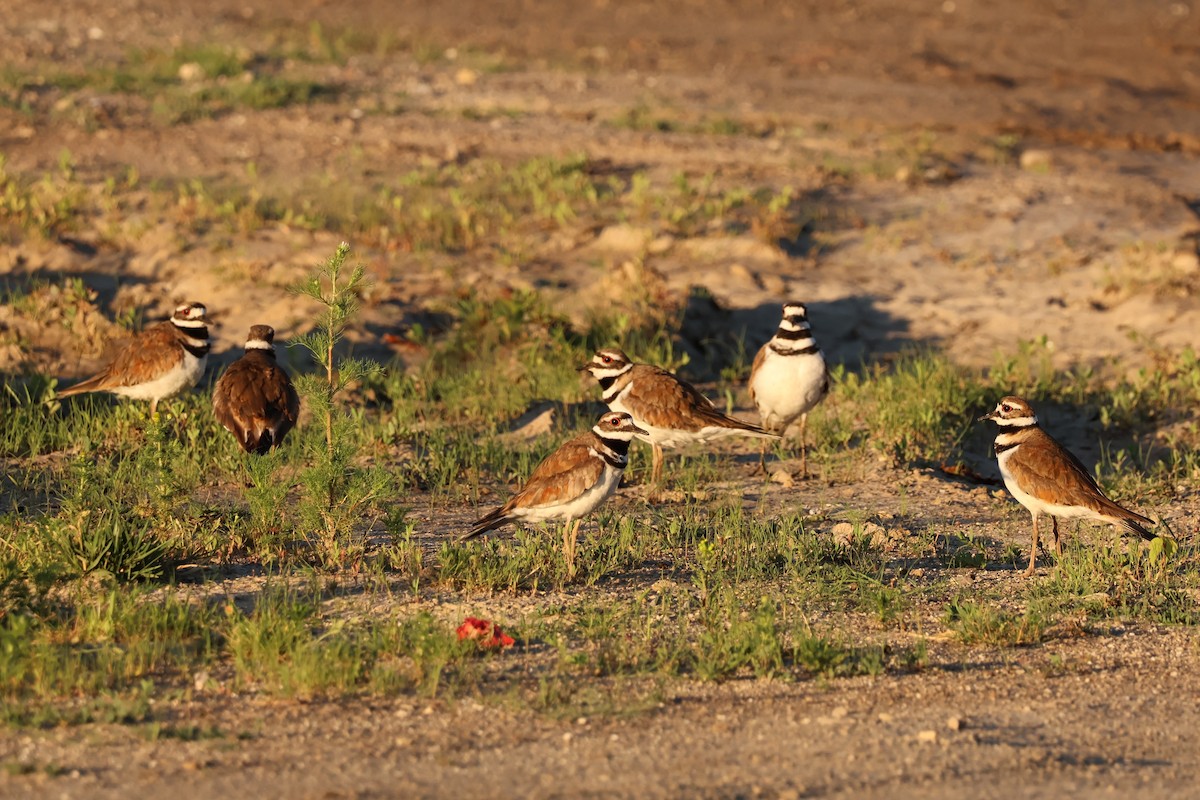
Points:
(986, 417)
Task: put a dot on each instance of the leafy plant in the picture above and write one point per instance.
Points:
(336, 491)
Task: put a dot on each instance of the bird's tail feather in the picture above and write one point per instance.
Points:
(1132, 525)
(490, 522)
(90, 385)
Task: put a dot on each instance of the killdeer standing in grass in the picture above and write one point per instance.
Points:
(789, 378)
(572, 481)
(157, 363)
(254, 399)
(671, 411)
(1045, 478)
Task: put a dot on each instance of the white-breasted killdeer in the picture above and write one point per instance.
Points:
(254, 399)
(1047, 479)
(157, 363)
(789, 377)
(672, 412)
(572, 481)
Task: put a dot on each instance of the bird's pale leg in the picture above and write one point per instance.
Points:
(803, 446)
(570, 541)
(1033, 550)
(656, 469)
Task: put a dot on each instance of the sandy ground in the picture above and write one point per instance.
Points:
(1086, 235)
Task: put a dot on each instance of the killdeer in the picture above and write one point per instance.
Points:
(254, 399)
(671, 411)
(157, 363)
(572, 481)
(789, 377)
(1045, 478)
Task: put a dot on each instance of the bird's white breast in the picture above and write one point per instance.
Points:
(785, 387)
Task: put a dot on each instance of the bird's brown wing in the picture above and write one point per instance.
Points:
(257, 391)
(1051, 473)
(564, 475)
(149, 355)
(665, 401)
(226, 397)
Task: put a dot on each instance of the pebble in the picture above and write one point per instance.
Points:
(1037, 161)
(927, 736)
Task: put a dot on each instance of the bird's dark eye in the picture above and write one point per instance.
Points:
(606, 359)
(1006, 408)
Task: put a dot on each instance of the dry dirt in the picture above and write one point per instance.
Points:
(1088, 239)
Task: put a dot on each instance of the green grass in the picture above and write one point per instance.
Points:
(107, 513)
(182, 84)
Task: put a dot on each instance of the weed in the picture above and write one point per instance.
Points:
(335, 492)
(976, 623)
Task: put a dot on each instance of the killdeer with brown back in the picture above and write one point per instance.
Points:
(1045, 478)
(254, 398)
(572, 481)
(157, 363)
(789, 378)
(671, 411)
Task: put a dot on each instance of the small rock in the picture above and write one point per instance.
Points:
(954, 723)
(623, 239)
(191, 72)
(927, 736)
(660, 244)
(535, 422)
(1037, 161)
(840, 712)
(739, 273)
(845, 533)
(1186, 262)
(783, 478)
(885, 716)
(466, 77)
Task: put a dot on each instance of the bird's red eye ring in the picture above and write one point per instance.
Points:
(606, 359)
(1006, 407)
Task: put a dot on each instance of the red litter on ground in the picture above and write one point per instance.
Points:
(484, 631)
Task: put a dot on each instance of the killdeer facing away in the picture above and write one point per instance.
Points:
(789, 377)
(671, 411)
(1045, 478)
(254, 399)
(157, 363)
(572, 481)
